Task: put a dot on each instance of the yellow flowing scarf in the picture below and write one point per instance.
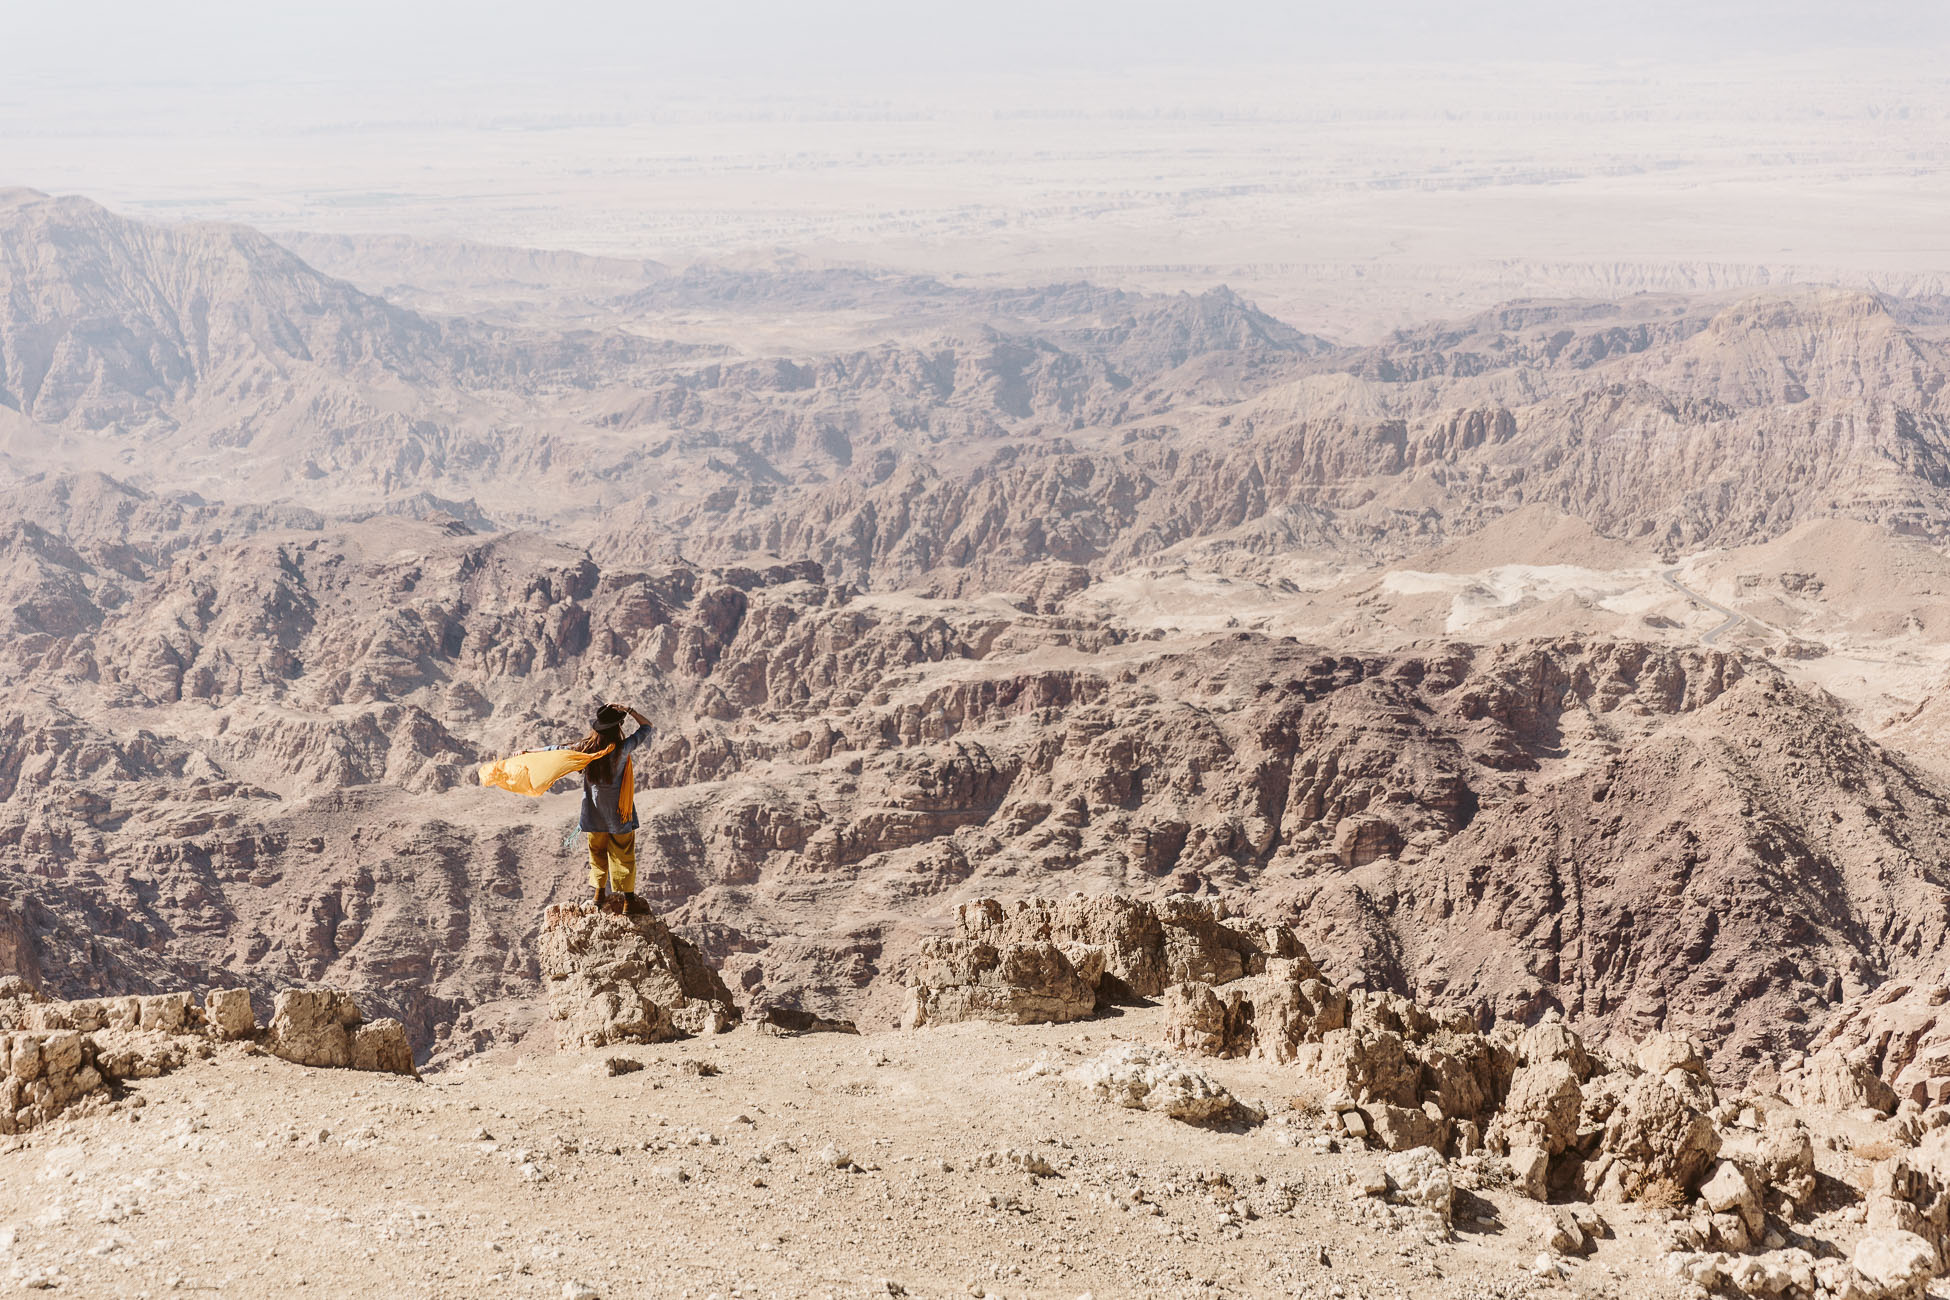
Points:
(533, 773)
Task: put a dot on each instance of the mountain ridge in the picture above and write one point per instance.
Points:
(1005, 589)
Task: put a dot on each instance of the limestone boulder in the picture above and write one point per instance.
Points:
(1839, 1080)
(1371, 1065)
(1404, 1128)
(325, 1029)
(43, 1073)
(1140, 1077)
(1893, 1265)
(1391, 1012)
(1552, 1040)
(228, 1014)
(1573, 1229)
(1420, 1177)
(1783, 1273)
(126, 1054)
(1908, 1195)
(1662, 1053)
(17, 999)
(1041, 960)
(313, 1027)
(1420, 1077)
(1780, 1158)
(1731, 1189)
(1149, 946)
(1530, 1171)
(1791, 1274)
(1270, 1014)
(626, 979)
(168, 1013)
(1680, 1062)
(1541, 1108)
(381, 1046)
(1653, 1142)
(1030, 983)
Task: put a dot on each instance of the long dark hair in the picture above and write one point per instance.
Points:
(603, 770)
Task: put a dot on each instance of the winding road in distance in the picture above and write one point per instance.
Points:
(1733, 619)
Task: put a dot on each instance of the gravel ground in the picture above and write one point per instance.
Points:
(745, 1165)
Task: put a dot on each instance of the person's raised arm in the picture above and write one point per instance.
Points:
(637, 737)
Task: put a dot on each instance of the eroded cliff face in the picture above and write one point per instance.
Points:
(348, 551)
(1626, 834)
(257, 753)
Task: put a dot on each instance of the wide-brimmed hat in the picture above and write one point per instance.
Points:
(609, 717)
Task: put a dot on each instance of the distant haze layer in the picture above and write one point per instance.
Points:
(1360, 172)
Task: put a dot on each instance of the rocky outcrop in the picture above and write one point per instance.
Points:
(626, 979)
(1761, 1171)
(1912, 1195)
(323, 1028)
(1898, 1035)
(1840, 1079)
(1538, 1122)
(1391, 1070)
(45, 1073)
(1394, 1053)
(1272, 1013)
(1884, 1265)
(1040, 961)
(1032, 983)
(55, 1055)
(228, 1013)
(1420, 1177)
(1894, 1265)
(1574, 1125)
(1560, 1120)
(1653, 1145)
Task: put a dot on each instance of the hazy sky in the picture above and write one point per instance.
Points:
(1016, 137)
(856, 44)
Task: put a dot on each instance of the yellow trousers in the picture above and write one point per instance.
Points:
(613, 858)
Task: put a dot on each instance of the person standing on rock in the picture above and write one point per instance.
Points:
(609, 807)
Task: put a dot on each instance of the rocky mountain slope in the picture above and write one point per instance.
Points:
(979, 431)
(254, 751)
(282, 560)
(1678, 429)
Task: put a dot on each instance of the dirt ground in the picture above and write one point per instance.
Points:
(744, 1165)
